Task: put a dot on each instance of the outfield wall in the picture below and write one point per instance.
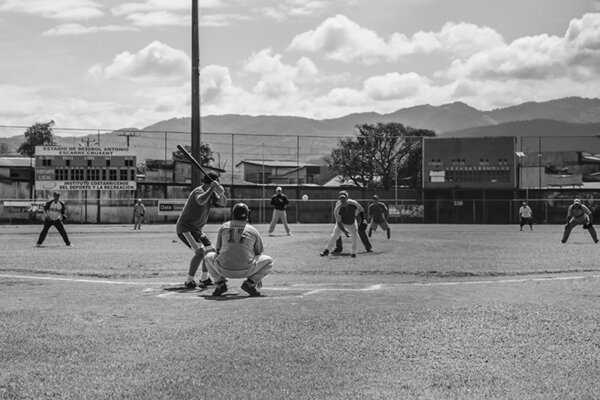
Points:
(406, 206)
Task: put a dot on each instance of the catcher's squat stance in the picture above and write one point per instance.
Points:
(193, 218)
(238, 254)
(576, 215)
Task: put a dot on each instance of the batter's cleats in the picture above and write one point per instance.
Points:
(353, 255)
(220, 289)
(324, 253)
(250, 288)
(190, 285)
(205, 283)
(336, 252)
(369, 250)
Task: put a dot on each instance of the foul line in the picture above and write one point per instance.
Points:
(317, 287)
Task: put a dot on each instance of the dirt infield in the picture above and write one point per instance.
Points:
(452, 312)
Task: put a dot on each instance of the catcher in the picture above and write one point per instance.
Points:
(576, 215)
(238, 254)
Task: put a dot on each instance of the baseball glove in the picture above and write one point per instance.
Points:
(587, 225)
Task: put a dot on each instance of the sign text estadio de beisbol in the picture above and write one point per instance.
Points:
(85, 168)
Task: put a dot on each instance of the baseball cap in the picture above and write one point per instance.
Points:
(375, 197)
(343, 193)
(56, 194)
(278, 189)
(577, 201)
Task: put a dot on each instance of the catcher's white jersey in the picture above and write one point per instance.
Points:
(238, 244)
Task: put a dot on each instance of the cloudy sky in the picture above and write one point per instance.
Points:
(108, 64)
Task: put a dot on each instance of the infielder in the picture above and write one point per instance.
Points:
(192, 219)
(238, 254)
(525, 216)
(54, 213)
(378, 215)
(576, 215)
(345, 213)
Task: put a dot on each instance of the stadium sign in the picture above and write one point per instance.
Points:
(85, 168)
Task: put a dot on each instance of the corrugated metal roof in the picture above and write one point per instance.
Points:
(17, 162)
(271, 163)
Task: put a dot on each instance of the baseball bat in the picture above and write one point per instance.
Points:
(193, 160)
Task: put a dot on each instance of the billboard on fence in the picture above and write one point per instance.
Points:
(85, 168)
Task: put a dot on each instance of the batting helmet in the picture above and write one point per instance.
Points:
(212, 176)
(240, 211)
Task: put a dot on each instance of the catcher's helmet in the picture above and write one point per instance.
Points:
(240, 211)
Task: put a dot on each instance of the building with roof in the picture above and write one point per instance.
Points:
(283, 172)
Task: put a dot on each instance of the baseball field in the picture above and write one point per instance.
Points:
(436, 312)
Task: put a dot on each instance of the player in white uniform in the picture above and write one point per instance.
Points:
(192, 219)
(525, 216)
(578, 214)
(239, 254)
(345, 213)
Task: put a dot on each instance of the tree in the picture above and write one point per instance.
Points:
(205, 158)
(39, 134)
(4, 149)
(380, 154)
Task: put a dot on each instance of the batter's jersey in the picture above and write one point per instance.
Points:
(196, 210)
(238, 243)
(54, 210)
(347, 214)
(378, 211)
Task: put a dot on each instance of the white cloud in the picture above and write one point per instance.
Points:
(157, 61)
(277, 79)
(56, 9)
(158, 18)
(78, 29)
(341, 39)
(292, 9)
(395, 86)
(221, 20)
(162, 5)
(338, 38)
(575, 55)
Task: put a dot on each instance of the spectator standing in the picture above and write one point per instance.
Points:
(138, 214)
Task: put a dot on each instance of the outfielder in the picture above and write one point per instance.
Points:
(238, 254)
(192, 219)
(378, 214)
(345, 213)
(525, 216)
(576, 215)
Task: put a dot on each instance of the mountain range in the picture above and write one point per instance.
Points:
(276, 137)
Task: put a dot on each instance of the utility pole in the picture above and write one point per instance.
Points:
(88, 141)
(128, 135)
(196, 176)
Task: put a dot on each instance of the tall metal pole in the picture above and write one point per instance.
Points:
(196, 175)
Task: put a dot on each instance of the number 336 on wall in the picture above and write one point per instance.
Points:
(458, 203)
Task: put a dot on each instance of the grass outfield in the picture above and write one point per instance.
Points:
(437, 312)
